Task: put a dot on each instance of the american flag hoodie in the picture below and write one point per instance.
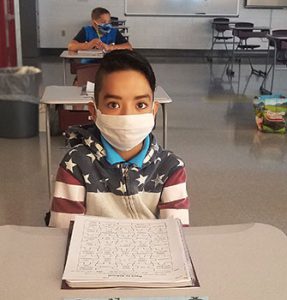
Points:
(87, 184)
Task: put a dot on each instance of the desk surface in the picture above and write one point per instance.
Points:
(234, 262)
(75, 54)
(274, 37)
(72, 95)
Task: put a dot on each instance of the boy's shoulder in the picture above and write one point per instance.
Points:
(169, 157)
(166, 162)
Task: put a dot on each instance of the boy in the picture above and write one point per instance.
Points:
(99, 35)
(116, 168)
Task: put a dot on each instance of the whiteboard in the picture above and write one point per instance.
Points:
(198, 8)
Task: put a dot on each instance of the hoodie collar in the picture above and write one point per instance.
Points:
(113, 156)
(90, 136)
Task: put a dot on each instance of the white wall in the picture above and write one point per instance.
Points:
(60, 20)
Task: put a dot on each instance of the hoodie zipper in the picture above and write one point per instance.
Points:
(125, 172)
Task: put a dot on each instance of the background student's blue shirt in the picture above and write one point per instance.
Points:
(113, 157)
(91, 33)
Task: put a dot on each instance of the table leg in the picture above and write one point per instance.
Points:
(229, 71)
(274, 66)
(64, 70)
(164, 120)
(48, 149)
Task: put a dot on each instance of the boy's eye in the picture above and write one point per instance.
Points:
(113, 105)
(142, 105)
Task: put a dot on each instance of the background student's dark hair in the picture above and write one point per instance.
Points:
(123, 60)
(98, 11)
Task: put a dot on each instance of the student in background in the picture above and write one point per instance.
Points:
(116, 168)
(99, 35)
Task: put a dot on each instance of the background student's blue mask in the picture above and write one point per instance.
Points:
(105, 28)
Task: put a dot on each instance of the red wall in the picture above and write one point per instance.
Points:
(8, 53)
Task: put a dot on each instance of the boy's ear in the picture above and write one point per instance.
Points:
(92, 110)
(155, 108)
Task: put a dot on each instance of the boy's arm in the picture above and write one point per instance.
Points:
(79, 42)
(121, 43)
(68, 200)
(174, 201)
(95, 43)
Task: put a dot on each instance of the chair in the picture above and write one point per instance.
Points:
(78, 115)
(244, 35)
(279, 57)
(220, 26)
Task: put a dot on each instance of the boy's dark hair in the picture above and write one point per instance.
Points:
(98, 11)
(123, 60)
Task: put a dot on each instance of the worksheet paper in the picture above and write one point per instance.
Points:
(109, 252)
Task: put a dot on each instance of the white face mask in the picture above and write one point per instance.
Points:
(124, 132)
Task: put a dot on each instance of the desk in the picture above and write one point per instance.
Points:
(257, 32)
(220, 27)
(233, 262)
(67, 95)
(73, 55)
(276, 40)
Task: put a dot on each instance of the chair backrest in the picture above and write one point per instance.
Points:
(86, 72)
(243, 34)
(221, 27)
(114, 21)
(281, 45)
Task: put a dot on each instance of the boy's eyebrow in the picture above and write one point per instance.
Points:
(142, 97)
(108, 96)
(111, 96)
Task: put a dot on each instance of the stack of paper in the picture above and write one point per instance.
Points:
(128, 253)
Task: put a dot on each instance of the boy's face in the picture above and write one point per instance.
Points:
(126, 93)
(103, 19)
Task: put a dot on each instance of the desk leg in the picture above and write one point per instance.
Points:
(274, 66)
(64, 71)
(229, 71)
(164, 120)
(48, 149)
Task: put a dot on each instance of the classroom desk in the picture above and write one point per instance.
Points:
(275, 40)
(69, 95)
(73, 55)
(215, 36)
(257, 32)
(233, 262)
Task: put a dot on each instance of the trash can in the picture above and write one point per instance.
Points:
(19, 101)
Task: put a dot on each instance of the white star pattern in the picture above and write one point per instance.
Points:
(70, 165)
(134, 169)
(72, 136)
(99, 155)
(89, 141)
(158, 180)
(72, 151)
(156, 147)
(180, 163)
(148, 156)
(141, 179)
(99, 147)
(156, 160)
(92, 156)
(104, 180)
(86, 177)
(122, 188)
